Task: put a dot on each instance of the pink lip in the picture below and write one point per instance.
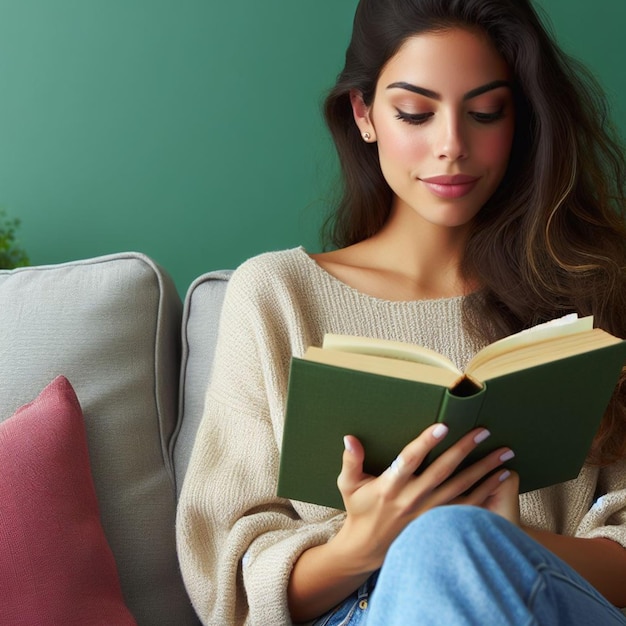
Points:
(457, 179)
(455, 186)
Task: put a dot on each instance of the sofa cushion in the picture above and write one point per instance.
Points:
(201, 314)
(111, 325)
(56, 566)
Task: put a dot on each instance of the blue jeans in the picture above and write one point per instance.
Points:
(460, 565)
(352, 610)
(464, 566)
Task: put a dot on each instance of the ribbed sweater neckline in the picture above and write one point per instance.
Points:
(335, 283)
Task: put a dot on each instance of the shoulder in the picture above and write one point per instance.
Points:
(271, 273)
(269, 283)
(271, 264)
(263, 319)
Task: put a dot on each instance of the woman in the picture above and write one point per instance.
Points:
(482, 195)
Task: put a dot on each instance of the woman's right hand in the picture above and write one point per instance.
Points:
(378, 508)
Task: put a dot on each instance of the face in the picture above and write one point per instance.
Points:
(443, 119)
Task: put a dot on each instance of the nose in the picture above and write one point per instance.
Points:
(450, 143)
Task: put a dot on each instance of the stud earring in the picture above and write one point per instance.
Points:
(366, 136)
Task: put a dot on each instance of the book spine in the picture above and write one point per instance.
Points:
(460, 415)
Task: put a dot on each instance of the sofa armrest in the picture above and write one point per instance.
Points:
(201, 316)
(111, 325)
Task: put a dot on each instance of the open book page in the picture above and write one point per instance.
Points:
(560, 327)
(540, 344)
(527, 356)
(389, 349)
(384, 366)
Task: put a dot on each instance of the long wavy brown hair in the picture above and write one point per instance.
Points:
(551, 240)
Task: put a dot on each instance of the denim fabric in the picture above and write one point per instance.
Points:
(464, 566)
(352, 610)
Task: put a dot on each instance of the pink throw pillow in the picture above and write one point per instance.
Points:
(56, 566)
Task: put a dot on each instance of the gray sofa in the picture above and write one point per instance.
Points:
(139, 359)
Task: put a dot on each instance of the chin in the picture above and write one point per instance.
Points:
(453, 218)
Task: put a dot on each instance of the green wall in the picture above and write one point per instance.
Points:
(593, 32)
(191, 130)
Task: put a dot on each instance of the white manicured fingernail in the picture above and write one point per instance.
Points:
(505, 474)
(347, 444)
(481, 436)
(440, 431)
(507, 456)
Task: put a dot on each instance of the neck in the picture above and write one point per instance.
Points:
(428, 254)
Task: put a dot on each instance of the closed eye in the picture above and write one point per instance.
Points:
(419, 118)
(413, 118)
(487, 118)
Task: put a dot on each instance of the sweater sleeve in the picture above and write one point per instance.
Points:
(237, 541)
(607, 516)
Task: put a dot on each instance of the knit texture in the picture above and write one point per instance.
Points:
(237, 541)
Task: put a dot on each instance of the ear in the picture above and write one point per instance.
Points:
(361, 114)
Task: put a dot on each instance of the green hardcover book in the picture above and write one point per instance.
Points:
(542, 392)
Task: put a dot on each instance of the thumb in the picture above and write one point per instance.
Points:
(351, 475)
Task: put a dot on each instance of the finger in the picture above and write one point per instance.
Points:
(508, 484)
(470, 478)
(503, 499)
(488, 488)
(402, 469)
(351, 476)
(449, 461)
(414, 453)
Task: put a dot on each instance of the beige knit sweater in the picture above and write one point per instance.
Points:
(237, 541)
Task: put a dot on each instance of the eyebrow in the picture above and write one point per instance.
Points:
(433, 95)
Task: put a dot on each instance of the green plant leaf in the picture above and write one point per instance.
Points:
(12, 255)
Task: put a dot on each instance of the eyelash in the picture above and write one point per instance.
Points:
(417, 119)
